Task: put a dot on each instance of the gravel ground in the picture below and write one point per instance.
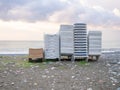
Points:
(17, 74)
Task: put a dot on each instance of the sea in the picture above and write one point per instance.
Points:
(19, 47)
(22, 47)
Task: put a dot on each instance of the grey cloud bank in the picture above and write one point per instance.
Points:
(57, 11)
(29, 10)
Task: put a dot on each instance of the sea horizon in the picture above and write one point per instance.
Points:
(22, 46)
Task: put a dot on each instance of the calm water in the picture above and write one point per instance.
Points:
(18, 47)
(22, 47)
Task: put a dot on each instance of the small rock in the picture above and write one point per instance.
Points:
(52, 76)
(5, 84)
(46, 70)
(113, 79)
(101, 81)
(10, 70)
(5, 72)
(114, 73)
(88, 78)
(22, 72)
(30, 84)
(113, 84)
(118, 63)
(35, 84)
(48, 77)
(118, 88)
(25, 80)
(17, 87)
(52, 68)
(37, 66)
(108, 64)
(3, 76)
(31, 78)
(52, 89)
(12, 83)
(44, 76)
(89, 89)
(73, 77)
(1, 85)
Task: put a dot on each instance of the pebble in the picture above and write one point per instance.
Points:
(113, 84)
(52, 76)
(1, 85)
(118, 63)
(5, 72)
(47, 71)
(73, 77)
(113, 79)
(48, 77)
(12, 83)
(36, 66)
(108, 65)
(88, 78)
(5, 84)
(118, 88)
(52, 68)
(89, 89)
(10, 70)
(22, 72)
(35, 84)
(25, 80)
(52, 89)
(44, 76)
(101, 81)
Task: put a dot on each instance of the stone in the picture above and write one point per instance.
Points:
(52, 76)
(52, 68)
(52, 89)
(25, 80)
(113, 84)
(108, 65)
(118, 88)
(73, 77)
(12, 83)
(88, 78)
(89, 89)
(118, 63)
(1, 85)
(44, 76)
(5, 84)
(114, 73)
(36, 66)
(113, 79)
(35, 84)
(48, 77)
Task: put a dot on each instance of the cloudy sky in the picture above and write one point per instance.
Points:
(31, 19)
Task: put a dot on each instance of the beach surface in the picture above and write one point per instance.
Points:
(16, 73)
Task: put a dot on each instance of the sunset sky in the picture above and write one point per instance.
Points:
(31, 19)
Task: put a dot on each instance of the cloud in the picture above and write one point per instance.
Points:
(95, 15)
(116, 12)
(68, 11)
(29, 10)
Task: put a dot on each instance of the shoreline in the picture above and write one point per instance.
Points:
(13, 54)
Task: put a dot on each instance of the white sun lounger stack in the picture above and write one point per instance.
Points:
(94, 40)
(51, 46)
(66, 40)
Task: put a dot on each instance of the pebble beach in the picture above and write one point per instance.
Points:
(16, 73)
